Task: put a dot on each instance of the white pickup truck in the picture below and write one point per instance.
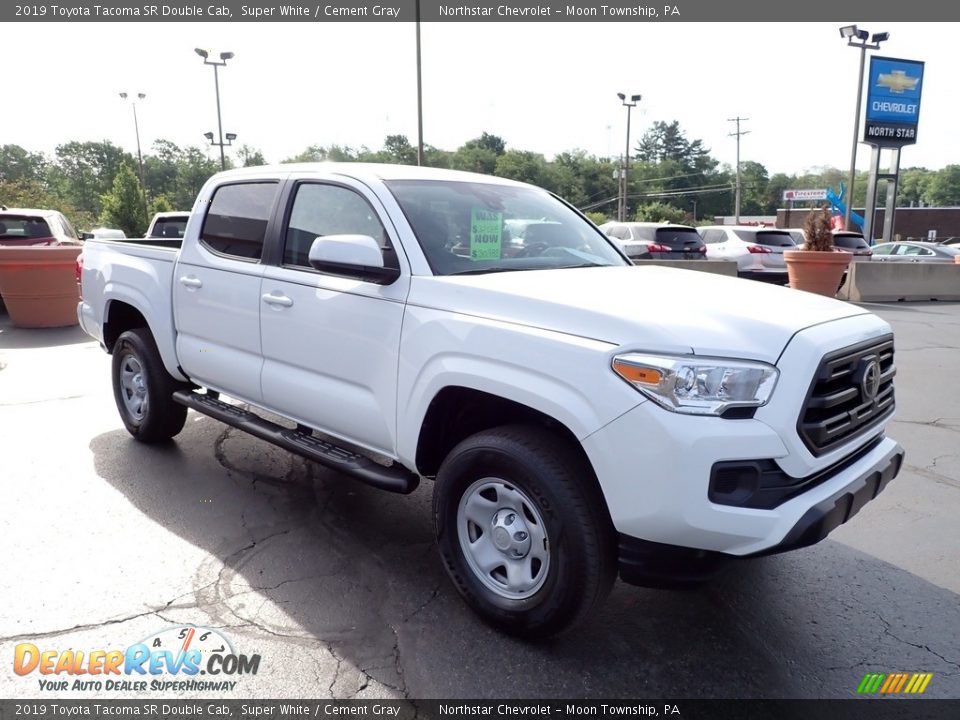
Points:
(578, 416)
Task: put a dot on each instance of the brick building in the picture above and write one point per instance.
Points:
(909, 222)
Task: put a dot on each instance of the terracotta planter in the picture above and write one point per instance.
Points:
(39, 285)
(817, 272)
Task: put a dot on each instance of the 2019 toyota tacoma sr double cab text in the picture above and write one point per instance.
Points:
(579, 417)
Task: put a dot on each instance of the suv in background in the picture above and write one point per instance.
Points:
(758, 251)
(28, 227)
(846, 240)
(656, 241)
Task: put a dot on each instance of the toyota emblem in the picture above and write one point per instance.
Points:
(870, 384)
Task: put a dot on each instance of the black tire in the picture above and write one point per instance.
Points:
(160, 418)
(580, 565)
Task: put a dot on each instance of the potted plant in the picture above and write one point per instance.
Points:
(819, 266)
(39, 285)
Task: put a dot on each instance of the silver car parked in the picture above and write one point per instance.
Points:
(758, 251)
(915, 252)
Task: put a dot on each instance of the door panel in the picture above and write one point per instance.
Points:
(217, 291)
(331, 343)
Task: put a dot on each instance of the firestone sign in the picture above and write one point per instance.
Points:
(801, 195)
(893, 102)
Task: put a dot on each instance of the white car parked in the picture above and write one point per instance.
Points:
(758, 251)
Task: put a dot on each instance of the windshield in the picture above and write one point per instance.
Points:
(466, 227)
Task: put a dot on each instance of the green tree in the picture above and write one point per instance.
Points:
(660, 212)
(123, 204)
(250, 157)
(160, 204)
(912, 186)
(675, 170)
(19, 164)
(496, 144)
(523, 166)
(944, 187)
(83, 172)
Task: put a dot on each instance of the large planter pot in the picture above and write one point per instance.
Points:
(817, 272)
(39, 285)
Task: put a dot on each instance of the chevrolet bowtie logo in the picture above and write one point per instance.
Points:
(897, 81)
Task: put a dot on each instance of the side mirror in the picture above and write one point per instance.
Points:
(352, 255)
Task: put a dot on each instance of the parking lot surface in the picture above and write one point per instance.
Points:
(105, 542)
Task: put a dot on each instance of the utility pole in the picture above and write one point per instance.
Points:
(738, 133)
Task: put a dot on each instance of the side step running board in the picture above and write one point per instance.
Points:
(394, 478)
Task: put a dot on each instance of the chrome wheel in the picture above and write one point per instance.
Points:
(133, 387)
(503, 538)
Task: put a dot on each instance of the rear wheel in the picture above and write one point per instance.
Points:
(143, 389)
(522, 530)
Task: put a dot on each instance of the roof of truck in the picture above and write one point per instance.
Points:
(381, 171)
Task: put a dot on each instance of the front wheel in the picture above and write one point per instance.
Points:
(522, 530)
(143, 389)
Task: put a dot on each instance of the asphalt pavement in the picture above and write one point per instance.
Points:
(337, 587)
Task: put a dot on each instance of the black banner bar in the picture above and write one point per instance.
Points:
(477, 11)
(204, 709)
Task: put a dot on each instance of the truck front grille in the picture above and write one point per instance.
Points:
(851, 393)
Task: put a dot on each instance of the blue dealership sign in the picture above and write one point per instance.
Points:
(893, 101)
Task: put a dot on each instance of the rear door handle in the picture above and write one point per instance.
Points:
(191, 282)
(281, 300)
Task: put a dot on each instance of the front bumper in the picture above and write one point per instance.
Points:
(654, 466)
(652, 564)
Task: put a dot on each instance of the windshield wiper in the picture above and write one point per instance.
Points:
(483, 271)
(581, 265)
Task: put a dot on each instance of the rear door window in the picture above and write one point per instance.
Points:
(850, 242)
(678, 238)
(770, 238)
(236, 222)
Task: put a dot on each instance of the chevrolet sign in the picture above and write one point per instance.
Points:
(893, 102)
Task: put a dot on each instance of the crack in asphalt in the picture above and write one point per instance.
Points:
(433, 596)
(932, 475)
(115, 621)
(888, 632)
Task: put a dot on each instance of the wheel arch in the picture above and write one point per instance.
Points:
(455, 413)
(120, 315)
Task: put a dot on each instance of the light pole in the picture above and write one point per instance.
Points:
(419, 95)
(224, 56)
(852, 32)
(136, 128)
(230, 138)
(629, 105)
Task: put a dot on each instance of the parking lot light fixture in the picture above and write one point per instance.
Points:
(628, 104)
(849, 32)
(136, 128)
(224, 56)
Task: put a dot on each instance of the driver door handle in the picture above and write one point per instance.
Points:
(190, 281)
(281, 300)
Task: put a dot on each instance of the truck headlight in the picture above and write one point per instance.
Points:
(698, 386)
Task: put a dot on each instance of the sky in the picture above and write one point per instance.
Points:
(544, 87)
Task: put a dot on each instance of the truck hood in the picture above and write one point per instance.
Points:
(655, 309)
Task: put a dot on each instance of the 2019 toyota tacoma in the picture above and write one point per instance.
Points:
(579, 417)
